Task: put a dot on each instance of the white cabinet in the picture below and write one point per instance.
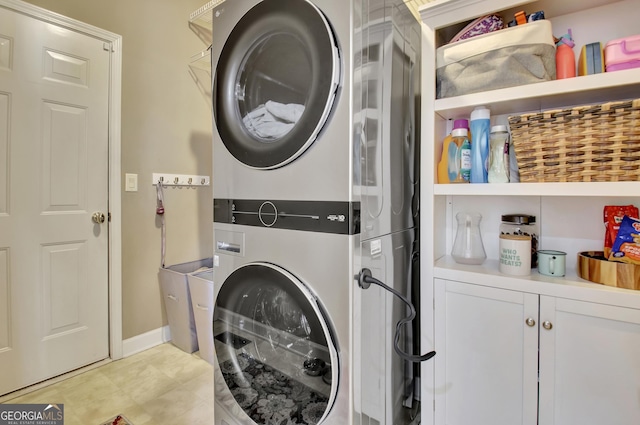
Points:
(493, 344)
(487, 358)
(569, 217)
(589, 363)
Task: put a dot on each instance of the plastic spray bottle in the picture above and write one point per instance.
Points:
(449, 154)
(480, 129)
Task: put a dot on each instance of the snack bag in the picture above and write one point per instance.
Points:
(626, 248)
(613, 215)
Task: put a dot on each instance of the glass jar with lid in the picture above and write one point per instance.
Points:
(522, 225)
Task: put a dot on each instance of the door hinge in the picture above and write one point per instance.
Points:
(108, 47)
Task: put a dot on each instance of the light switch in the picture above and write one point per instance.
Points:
(131, 183)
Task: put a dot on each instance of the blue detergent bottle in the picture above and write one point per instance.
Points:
(480, 127)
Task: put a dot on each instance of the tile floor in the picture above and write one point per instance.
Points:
(160, 386)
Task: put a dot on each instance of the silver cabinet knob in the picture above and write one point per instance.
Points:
(547, 325)
(530, 321)
(98, 217)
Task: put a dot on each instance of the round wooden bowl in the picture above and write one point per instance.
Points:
(593, 266)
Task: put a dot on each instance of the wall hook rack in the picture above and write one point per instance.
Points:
(169, 179)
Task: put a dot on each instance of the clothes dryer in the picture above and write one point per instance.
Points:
(317, 100)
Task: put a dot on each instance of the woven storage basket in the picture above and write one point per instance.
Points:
(593, 143)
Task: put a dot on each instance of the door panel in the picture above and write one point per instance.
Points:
(486, 361)
(54, 99)
(589, 369)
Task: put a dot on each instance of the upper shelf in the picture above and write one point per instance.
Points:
(615, 189)
(203, 16)
(596, 88)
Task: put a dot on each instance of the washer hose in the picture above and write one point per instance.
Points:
(365, 279)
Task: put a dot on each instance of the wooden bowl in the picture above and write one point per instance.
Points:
(593, 266)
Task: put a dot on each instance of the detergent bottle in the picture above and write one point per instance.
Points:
(480, 126)
(449, 154)
(459, 169)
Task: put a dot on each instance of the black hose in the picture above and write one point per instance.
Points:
(365, 279)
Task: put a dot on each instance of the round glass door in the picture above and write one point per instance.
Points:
(274, 347)
(275, 82)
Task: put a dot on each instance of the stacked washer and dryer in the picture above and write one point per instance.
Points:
(315, 179)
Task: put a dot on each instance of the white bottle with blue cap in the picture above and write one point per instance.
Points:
(480, 127)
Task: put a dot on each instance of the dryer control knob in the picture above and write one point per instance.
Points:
(268, 214)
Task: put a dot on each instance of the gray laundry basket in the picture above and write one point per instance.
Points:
(201, 289)
(177, 302)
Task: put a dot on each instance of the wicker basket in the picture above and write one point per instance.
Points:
(593, 143)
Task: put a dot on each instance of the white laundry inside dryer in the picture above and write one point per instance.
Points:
(273, 120)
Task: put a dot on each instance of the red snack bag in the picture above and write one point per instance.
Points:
(613, 215)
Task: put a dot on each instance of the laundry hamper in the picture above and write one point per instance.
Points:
(177, 301)
(201, 290)
(591, 143)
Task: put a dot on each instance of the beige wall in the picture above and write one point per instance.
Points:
(166, 127)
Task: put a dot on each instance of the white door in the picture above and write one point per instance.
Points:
(487, 355)
(53, 176)
(589, 363)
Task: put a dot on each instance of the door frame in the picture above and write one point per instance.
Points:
(114, 42)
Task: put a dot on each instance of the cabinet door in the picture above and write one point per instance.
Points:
(589, 363)
(487, 356)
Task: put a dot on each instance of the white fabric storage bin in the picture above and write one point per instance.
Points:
(514, 56)
(201, 289)
(177, 301)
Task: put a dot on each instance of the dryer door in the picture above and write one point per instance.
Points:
(275, 82)
(276, 360)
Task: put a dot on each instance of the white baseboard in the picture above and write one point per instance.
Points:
(145, 341)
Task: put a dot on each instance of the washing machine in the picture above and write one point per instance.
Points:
(291, 327)
(317, 100)
(281, 326)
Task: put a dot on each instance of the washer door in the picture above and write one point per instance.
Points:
(274, 347)
(275, 82)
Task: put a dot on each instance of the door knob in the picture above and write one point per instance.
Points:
(547, 325)
(98, 217)
(530, 321)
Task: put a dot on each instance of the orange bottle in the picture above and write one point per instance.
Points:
(448, 151)
(565, 58)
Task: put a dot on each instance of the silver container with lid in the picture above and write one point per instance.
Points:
(522, 225)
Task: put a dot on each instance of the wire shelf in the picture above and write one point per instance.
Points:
(203, 14)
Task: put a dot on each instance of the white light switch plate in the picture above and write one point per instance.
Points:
(131, 183)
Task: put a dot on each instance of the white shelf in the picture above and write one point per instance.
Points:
(570, 286)
(613, 189)
(203, 16)
(201, 60)
(597, 88)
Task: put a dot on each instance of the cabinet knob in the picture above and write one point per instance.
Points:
(530, 321)
(547, 325)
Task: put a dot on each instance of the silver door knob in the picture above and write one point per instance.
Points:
(530, 322)
(98, 217)
(547, 325)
